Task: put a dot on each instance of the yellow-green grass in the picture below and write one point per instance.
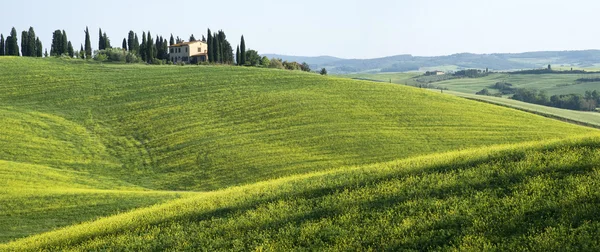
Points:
(36, 199)
(584, 117)
(535, 196)
(204, 128)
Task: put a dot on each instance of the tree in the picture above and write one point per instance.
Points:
(46, 53)
(237, 56)
(38, 47)
(70, 50)
(192, 38)
(2, 52)
(106, 41)
(323, 71)
(101, 44)
(12, 43)
(130, 41)
(32, 43)
(211, 56)
(265, 62)
(171, 40)
(217, 46)
(149, 48)
(82, 53)
(252, 58)
(136, 44)
(56, 47)
(124, 46)
(305, 67)
(243, 51)
(24, 44)
(276, 63)
(203, 39)
(88, 44)
(143, 47)
(65, 43)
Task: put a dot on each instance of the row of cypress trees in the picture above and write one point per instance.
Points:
(31, 46)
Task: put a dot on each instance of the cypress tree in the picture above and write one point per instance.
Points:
(55, 48)
(32, 43)
(211, 56)
(136, 44)
(88, 44)
(46, 53)
(171, 40)
(38, 47)
(237, 56)
(2, 52)
(130, 41)
(149, 48)
(217, 43)
(70, 50)
(101, 45)
(192, 38)
(124, 44)
(142, 51)
(12, 46)
(82, 52)
(243, 51)
(65, 43)
(106, 41)
(165, 50)
(24, 44)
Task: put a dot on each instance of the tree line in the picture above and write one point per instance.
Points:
(31, 46)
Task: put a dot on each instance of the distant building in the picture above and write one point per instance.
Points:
(436, 72)
(189, 52)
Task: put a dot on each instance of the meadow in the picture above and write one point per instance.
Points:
(115, 146)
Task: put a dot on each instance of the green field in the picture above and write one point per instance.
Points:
(551, 83)
(218, 157)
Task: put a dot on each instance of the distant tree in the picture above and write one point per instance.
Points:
(124, 46)
(211, 56)
(46, 53)
(136, 45)
(65, 43)
(217, 46)
(101, 44)
(82, 53)
(143, 49)
(32, 43)
(24, 44)
(252, 58)
(192, 38)
(165, 50)
(149, 48)
(88, 44)
(549, 67)
(70, 50)
(2, 52)
(237, 56)
(130, 41)
(171, 40)
(12, 43)
(56, 47)
(265, 62)
(106, 41)
(323, 71)
(276, 63)
(178, 40)
(226, 49)
(203, 39)
(305, 67)
(38, 48)
(243, 51)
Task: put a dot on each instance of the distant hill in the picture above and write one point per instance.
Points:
(405, 63)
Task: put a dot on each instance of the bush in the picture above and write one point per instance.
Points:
(276, 63)
(115, 55)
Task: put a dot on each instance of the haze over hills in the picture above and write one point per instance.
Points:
(405, 63)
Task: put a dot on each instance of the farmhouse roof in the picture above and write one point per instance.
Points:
(186, 43)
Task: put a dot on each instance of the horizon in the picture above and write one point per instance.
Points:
(378, 29)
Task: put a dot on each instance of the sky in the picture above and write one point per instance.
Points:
(340, 28)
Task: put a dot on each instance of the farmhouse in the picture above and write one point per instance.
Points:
(189, 52)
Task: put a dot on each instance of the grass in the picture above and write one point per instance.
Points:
(83, 141)
(583, 117)
(536, 196)
(551, 83)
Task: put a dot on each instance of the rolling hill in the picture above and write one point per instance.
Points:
(495, 61)
(83, 140)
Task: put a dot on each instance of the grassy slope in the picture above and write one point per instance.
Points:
(202, 128)
(134, 128)
(540, 196)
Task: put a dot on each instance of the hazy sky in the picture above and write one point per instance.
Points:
(348, 28)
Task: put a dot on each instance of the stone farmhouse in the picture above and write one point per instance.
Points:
(189, 52)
